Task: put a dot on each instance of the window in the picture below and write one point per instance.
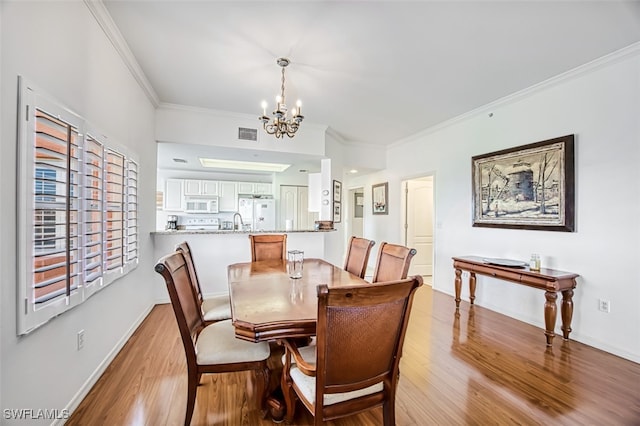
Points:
(78, 210)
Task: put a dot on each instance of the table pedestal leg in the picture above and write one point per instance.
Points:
(550, 312)
(472, 287)
(458, 286)
(567, 312)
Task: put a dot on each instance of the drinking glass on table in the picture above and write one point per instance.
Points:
(295, 260)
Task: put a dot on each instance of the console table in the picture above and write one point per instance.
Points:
(550, 280)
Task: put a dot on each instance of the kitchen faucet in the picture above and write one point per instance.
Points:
(235, 226)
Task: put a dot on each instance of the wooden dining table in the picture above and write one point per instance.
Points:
(268, 305)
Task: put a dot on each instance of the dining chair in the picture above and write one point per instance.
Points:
(209, 348)
(393, 262)
(268, 246)
(355, 367)
(216, 308)
(358, 255)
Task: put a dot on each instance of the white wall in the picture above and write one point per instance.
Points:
(61, 49)
(600, 104)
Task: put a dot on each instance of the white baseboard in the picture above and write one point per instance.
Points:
(93, 378)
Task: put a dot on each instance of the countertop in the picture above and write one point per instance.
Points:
(227, 232)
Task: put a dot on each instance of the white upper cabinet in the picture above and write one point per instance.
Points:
(263, 189)
(173, 195)
(255, 188)
(228, 201)
(200, 187)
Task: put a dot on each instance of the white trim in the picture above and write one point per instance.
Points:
(104, 19)
(592, 66)
(101, 368)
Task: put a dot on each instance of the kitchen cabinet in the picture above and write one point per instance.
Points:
(173, 195)
(228, 192)
(294, 206)
(255, 188)
(200, 187)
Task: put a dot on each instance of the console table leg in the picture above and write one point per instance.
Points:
(567, 312)
(458, 286)
(472, 287)
(550, 312)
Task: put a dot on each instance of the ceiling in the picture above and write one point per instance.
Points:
(374, 72)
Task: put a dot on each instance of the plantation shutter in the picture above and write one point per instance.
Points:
(132, 212)
(93, 205)
(114, 223)
(55, 209)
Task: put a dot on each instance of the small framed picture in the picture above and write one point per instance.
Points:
(337, 212)
(380, 198)
(337, 191)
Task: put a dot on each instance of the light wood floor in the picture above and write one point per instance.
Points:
(478, 368)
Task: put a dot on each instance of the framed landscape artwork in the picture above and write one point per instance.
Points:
(526, 187)
(380, 198)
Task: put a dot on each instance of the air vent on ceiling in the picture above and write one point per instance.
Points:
(246, 134)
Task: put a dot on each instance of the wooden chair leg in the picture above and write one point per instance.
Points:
(289, 398)
(192, 388)
(389, 411)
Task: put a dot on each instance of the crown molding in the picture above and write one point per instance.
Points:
(104, 19)
(356, 144)
(596, 64)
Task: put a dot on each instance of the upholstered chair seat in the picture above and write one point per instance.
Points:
(217, 344)
(216, 308)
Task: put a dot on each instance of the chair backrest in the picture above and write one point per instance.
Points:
(393, 262)
(268, 246)
(186, 252)
(358, 256)
(175, 272)
(360, 333)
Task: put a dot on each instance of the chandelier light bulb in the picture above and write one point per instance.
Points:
(264, 107)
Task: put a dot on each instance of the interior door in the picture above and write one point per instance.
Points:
(419, 224)
(288, 206)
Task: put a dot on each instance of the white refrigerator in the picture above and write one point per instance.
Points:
(260, 213)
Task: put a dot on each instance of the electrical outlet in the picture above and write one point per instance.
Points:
(604, 305)
(80, 339)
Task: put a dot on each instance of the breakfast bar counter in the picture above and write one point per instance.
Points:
(213, 250)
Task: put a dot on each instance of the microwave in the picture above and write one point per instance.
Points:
(194, 205)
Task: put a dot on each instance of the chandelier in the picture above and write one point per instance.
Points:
(281, 124)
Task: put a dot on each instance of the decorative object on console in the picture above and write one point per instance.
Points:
(526, 187)
(380, 199)
(324, 225)
(280, 125)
